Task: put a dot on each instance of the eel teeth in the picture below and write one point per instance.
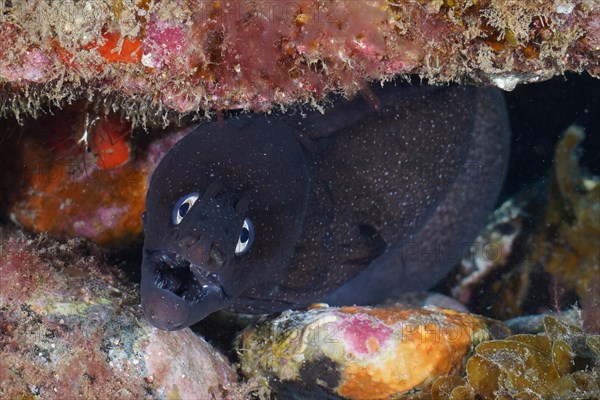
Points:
(199, 274)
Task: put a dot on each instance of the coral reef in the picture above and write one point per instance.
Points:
(70, 327)
(360, 352)
(157, 56)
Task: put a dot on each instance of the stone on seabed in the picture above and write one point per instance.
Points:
(361, 352)
(70, 328)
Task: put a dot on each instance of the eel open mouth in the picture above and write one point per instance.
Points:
(176, 274)
(177, 293)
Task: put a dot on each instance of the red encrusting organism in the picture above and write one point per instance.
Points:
(108, 142)
(120, 49)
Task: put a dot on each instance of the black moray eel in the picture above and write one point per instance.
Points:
(261, 213)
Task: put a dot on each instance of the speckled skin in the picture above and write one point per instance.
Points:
(371, 198)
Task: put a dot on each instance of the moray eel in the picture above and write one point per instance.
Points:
(375, 197)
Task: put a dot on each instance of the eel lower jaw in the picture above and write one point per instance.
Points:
(176, 293)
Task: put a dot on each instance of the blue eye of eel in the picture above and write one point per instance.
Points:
(182, 207)
(261, 213)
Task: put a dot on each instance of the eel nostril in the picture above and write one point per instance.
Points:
(216, 255)
(186, 241)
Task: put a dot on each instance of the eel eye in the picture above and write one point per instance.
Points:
(183, 206)
(246, 238)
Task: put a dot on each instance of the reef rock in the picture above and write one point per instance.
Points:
(360, 352)
(70, 327)
(81, 174)
(183, 56)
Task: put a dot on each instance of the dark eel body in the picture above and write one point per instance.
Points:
(265, 213)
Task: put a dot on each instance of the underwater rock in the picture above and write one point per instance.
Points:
(75, 174)
(539, 249)
(149, 56)
(65, 164)
(70, 327)
(360, 352)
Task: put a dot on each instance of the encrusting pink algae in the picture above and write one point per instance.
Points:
(71, 328)
(153, 58)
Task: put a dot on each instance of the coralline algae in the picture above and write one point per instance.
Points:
(71, 328)
(188, 56)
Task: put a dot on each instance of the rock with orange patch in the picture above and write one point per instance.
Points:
(94, 187)
(64, 195)
(109, 142)
(360, 352)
